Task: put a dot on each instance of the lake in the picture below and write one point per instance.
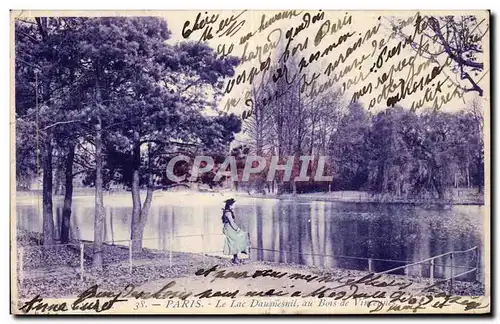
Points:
(297, 231)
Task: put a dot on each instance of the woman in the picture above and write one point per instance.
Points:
(236, 239)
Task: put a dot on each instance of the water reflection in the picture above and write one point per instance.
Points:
(292, 231)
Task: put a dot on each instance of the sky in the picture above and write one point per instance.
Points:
(353, 42)
(357, 65)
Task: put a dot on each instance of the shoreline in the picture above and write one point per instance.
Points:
(330, 198)
(334, 196)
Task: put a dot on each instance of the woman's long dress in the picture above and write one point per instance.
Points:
(236, 239)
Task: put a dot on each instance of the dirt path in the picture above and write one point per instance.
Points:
(258, 277)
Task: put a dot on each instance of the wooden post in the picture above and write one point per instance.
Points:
(432, 270)
(21, 270)
(82, 246)
(452, 272)
(477, 262)
(130, 257)
(370, 265)
(170, 252)
(203, 248)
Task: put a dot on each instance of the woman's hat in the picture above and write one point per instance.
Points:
(229, 202)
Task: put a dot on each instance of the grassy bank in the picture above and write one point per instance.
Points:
(54, 271)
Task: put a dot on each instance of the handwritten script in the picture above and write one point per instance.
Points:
(260, 288)
(375, 60)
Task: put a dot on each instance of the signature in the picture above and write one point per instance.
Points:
(400, 301)
(88, 300)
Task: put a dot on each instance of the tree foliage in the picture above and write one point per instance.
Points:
(457, 37)
(115, 92)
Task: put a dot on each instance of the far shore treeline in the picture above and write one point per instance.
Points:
(106, 102)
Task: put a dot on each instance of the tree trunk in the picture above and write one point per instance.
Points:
(259, 127)
(468, 174)
(298, 147)
(139, 213)
(437, 186)
(149, 193)
(480, 166)
(135, 232)
(68, 195)
(280, 132)
(312, 137)
(144, 213)
(57, 178)
(99, 183)
(48, 218)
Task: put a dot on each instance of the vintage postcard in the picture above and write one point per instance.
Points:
(250, 162)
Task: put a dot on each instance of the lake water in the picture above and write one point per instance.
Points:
(286, 230)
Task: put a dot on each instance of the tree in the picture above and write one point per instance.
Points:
(461, 39)
(45, 58)
(456, 37)
(152, 102)
(26, 154)
(146, 166)
(390, 159)
(430, 139)
(109, 75)
(112, 52)
(348, 149)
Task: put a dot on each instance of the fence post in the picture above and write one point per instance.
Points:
(170, 252)
(21, 270)
(452, 272)
(370, 265)
(130, 257)
(203, 248)
(477, 262)
(432, 270)
(82, 246)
